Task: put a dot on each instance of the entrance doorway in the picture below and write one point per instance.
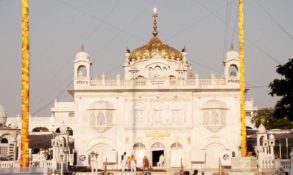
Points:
(156, 156)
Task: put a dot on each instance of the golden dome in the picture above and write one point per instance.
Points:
(155, 47)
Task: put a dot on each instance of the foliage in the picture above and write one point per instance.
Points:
(265, 116)
(284, 88)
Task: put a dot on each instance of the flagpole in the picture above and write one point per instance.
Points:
(242, 79)
(24, 156)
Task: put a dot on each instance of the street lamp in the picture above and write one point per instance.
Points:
(94, 161)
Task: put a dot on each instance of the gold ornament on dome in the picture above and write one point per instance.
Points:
(155, 47)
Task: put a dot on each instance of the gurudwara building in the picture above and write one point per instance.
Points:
(158, 107)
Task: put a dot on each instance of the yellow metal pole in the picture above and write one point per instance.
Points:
(242, 78)
(24, 156)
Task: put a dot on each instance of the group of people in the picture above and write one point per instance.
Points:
(129, 163)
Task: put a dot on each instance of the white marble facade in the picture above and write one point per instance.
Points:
(158, 107)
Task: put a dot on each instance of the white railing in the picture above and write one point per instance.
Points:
(15, 164)
(9, 164)
(190, 83)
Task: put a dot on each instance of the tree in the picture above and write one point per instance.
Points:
(263, 116)
(284, 87)
(266, 117)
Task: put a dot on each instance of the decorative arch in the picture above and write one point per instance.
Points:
(138, 145)
(105, 151)
(140, 78)
(214, 140)
(172, 78)
(81, 71)
(214, 115)
(212, 152)
(157, 146)
(176, 145)
(139, 152)
(40, 129)
(177, 155)
(4, 140)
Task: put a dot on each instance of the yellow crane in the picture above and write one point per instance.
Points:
(242, 78)
(25, 84)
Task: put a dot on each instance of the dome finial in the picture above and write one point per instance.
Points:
(82, 48)
(155, 15)
(232, 46)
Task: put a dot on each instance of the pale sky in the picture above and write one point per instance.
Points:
(106, 27)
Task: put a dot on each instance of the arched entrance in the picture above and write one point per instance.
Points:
(213, 152)
(177, 155)
(139, 153)
(157, 152)
(105, 153)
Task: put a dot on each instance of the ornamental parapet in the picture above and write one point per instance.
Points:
(155, 84)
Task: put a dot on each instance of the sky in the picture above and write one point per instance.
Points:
(207, 28)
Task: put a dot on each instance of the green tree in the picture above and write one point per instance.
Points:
(266, 117)
(263, 116)
(283, 87)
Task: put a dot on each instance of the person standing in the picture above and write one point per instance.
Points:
(133, 163)
(146, 163)
(123, 161)
(161, 161)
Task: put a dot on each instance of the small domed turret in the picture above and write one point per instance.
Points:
(232, 54)
(82, 55)
(3, 117)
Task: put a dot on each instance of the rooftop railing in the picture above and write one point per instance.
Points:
(155, 83)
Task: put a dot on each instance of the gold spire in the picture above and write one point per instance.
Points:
(155, 15)
(155, 47)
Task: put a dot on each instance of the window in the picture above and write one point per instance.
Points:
(4, 148)
(177, 116)
(4, 140)
(139, 116)
(101, 120)
(157, 116)
(4, 151)
(233, 70)
(81, 71)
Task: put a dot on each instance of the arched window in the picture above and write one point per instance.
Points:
(172, 78)
(4, 140)
(233, 70)
(139, 146)
(176, 145)
(70, 131)
(101, 120)
(157, 71)
(158, 145)
(214, 114)
(140, 78)
(81, 71)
